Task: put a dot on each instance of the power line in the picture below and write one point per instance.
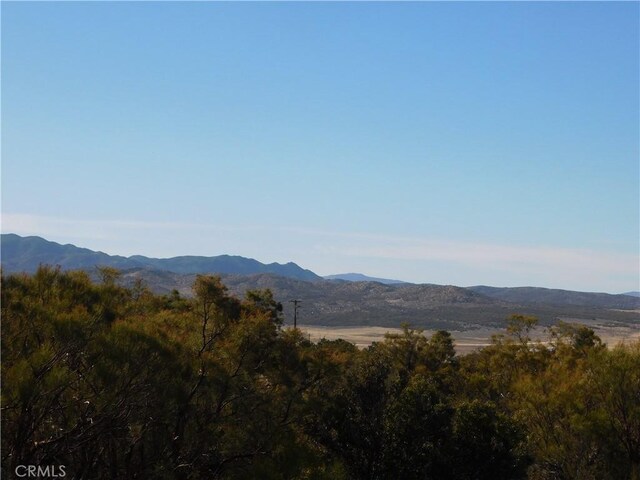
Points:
(295, 312)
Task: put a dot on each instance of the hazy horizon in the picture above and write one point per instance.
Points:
(448, 143)
(366, 274)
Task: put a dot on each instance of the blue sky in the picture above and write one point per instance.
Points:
(452, 143)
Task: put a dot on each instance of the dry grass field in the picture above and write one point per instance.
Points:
(469, 340)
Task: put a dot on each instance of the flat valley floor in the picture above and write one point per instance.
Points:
(611, 333)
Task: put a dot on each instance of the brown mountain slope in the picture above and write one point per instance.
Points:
(370, 303)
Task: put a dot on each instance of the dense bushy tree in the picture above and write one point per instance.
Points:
(396, 414)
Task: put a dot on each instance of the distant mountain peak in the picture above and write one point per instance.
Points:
(359, 277)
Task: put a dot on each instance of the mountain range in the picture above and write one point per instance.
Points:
(347, 299)
(25, 254)
(340, 303)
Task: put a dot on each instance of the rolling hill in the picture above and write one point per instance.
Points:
(340, 303)
(548, 296)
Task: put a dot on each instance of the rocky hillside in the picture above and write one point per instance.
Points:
(547, 296)
(371, 303)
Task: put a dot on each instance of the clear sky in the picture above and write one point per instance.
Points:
(450, 143)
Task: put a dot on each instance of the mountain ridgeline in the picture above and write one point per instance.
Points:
(340, 300)
(549, 296)
(25, 254)
(359, 277)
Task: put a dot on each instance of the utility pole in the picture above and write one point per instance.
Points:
(295, 312)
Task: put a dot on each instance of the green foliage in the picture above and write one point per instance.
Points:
(519, 326)
(121, 383)
(574, 339)
(487, 444)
